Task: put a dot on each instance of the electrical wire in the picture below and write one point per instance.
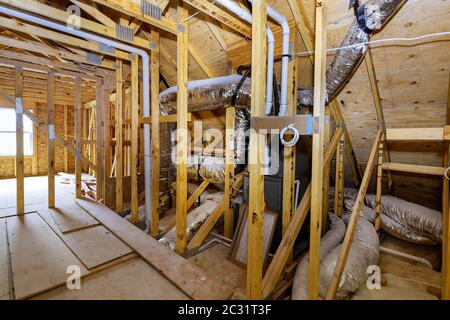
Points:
(430, 35)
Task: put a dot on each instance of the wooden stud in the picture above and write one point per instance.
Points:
(229, 171)
(379, 186)
(66, 167)
(339, 269)
(339, 180)
(413, 168)
(257, 144)
(20, 183)
(446, 215)
(326, 176)
(317, 149)
(35, 144)
(182, 132)
(154, 96)
(134, 138)
(51, 139)
(119, 136)
(99, 150)
(415, 134)
(77, 130)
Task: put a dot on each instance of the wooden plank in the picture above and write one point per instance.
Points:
(39, 258)
(154, 97)
(415, 134)
(317, 149)
(95, 13)
(182, 130)
(119, 137)
(20, 184)
(77, 130)
(339, 180)
(51, 138)
(379, 186)
(99, 148)
(229, 171)
(134, 138)
(282, 254)
(4, 263)
(66, 166)
(446, 211)
(165, 119)
(413, 168)
(190, 279)
(256, 146)
(34, 169)
(327, 174)
(70, 218)
(339, 269)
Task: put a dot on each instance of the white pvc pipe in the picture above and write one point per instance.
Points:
(285, 56)
(245, 15)
(146, 86)
(407, 256)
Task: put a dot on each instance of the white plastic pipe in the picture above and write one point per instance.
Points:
(146, 86)
(245, 15)
(281, 20)
(407, 256)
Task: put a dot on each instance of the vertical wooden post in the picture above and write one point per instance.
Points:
(107, 147)
(182, 101)
(119, 136)
(66, 167)
(317, 148)
(379, 184)
(20, 183)
(35, 142)
(229, 171)
(326, 174)
(77, 134)
(339, 179)
(134, 137)
(99, 129)
(51, 138)
(154, 92)
(446, 216)
(256, 187)
(289, 155)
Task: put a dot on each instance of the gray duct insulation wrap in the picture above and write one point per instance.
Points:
(377, 12)
(364, 251)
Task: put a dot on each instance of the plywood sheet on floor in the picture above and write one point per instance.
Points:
(72, 217)
(39, 258)
(4, 263)
(133, 279)
(93, 246)
(214, 261)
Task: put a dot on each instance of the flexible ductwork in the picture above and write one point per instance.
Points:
(353, 48)
(145, 83)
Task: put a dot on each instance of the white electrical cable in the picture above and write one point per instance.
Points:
(430, 35)
(294, 139)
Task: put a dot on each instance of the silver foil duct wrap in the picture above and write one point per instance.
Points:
(331, 239)
(212, 169)
(353, 48)
(195, 219)
(422, 221)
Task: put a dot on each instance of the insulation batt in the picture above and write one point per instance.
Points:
(330, 240)
(364, 251)
(421, 220)
(195, 219)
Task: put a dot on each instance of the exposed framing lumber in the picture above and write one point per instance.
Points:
(154, 97)
(51, 139)
(340, 265)
(282, 254)
(256, 184)
(20, 183)
(34, 169)
(339, 180)
(302, 28)
(415, 134)
(229, 171)
(182, 147)
(119, 137)
(95, 13)
(66, 167)
(413, 168)
(446, 214)
(379, 186)
(77, 131)
(134, 138)
(317, 148)
(99, 150)
(327, 174)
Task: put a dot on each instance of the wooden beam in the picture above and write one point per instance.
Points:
(154, 96)
(51, 139)
(282, 254)
(302, 28)
(99, 148)
(415, 134)
(229, 171)
(413, 168)
(182, 147)
(379, 185)
(77, 131)
(340, 265)
(339, 180)
(317, 148)
(446, 214)
(119, 137)
(20, 183)
(327, 174)
(95, 13)
(134, 138)
(257, 144)
(35, 144)
(66, 167)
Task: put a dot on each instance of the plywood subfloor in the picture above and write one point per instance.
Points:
(72, 217)
(4, 263)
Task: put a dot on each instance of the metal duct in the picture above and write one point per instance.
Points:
(376, 14)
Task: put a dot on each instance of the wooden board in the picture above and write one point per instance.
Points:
(94, 246)
(4, 263)
(72, 217)
(39, 258)
(133, 279)
(189, 278)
